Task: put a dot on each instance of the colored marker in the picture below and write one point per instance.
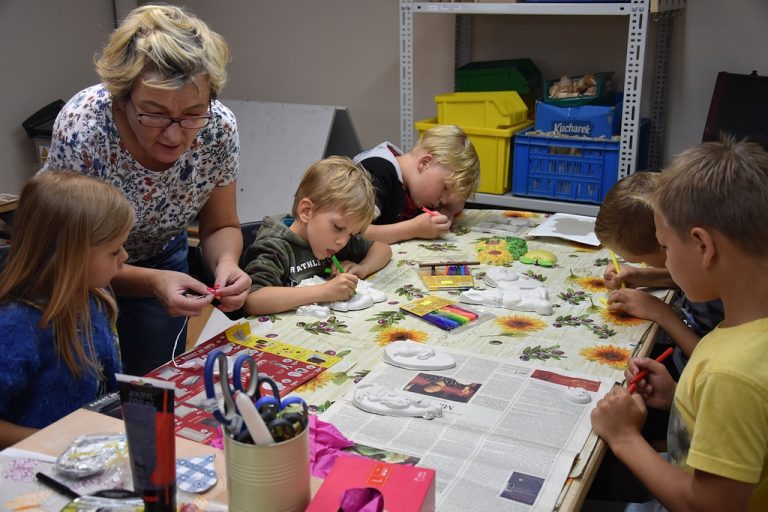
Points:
(616, 265)
(440, 321)
(643, 374)
(452, 316)
(57, 486)
(461, 311)
(429, 212)
(338, 265)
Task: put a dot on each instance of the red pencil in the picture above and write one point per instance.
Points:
(428, 211)
(643, 374)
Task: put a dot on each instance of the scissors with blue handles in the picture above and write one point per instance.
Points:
(227, 413)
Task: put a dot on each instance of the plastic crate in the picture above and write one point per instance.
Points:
(604, 94)
(519, 75)
(490, 109)
(494, 149)
(572, 169)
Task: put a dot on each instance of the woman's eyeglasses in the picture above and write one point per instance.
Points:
(157, 121)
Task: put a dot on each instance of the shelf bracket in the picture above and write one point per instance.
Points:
(664, 24)
(406, 74)
(633, 83)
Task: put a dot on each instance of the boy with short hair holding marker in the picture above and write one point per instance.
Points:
(625, 224)
(439, 173)
(332, 206)
(716, 243)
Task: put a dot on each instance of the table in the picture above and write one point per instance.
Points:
(580, 336)
(54, 439)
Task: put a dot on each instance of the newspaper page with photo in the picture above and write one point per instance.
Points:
(507, 438)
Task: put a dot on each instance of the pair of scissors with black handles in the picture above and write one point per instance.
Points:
(226, 412)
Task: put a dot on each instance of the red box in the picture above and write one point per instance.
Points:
(405, 488)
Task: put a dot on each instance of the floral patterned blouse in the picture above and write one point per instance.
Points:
(86, 139)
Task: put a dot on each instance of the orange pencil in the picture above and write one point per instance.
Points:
(643, 374)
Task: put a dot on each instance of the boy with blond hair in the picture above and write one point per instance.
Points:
(332, 206)
(439, 173)
(712, 223)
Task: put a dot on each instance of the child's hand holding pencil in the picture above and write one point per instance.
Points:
(612, 276)
(431, 225)
(651, 379)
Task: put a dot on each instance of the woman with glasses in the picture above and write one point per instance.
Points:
(155, 129)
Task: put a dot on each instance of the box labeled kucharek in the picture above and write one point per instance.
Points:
(581, 121)
(404, 488)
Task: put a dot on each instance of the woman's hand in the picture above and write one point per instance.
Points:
(231, 286)
(175, 292)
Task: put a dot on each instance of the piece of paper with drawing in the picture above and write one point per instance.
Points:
(577, 228)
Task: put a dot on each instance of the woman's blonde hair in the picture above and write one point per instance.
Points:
(61, 216)
(337, 183)
(164, 46)
(450, 147)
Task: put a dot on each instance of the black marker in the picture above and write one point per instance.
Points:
(56, 486)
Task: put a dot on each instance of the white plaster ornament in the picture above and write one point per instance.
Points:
(416, 356)
(379, 399)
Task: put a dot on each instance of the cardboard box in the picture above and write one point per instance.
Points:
(405, 488)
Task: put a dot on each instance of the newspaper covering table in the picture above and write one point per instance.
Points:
(509, 433)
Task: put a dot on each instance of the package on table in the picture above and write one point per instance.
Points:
(404, 488)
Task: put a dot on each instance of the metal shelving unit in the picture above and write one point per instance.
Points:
(640, 13)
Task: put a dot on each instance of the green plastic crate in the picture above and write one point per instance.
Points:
(604, 96)
(519, 75)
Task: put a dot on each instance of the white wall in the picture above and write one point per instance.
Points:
(46, 49)
(345, 52)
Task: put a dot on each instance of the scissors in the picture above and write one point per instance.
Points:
(227, 413)
(289, 421)
(285, 418)
(270, 406)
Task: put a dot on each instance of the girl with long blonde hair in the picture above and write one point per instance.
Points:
(58, 347)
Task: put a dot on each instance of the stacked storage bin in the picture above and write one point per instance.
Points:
(573, 152)
(519, 75)
(490, 119)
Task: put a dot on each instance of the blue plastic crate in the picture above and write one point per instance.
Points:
(581, 170)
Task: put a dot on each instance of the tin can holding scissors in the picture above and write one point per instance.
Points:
(268, 478)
